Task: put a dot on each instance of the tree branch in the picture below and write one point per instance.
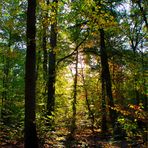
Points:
(72, 53)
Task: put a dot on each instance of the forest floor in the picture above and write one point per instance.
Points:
(83, 139)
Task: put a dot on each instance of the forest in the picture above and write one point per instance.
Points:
(73, 73)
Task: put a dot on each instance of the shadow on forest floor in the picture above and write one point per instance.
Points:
(87, 139)
(82, 139)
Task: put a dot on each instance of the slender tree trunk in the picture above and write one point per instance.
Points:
(4, 95)
(44, 43)
(44, 47)
(52, 62)
(31, 140)
(3, 92)
(136, 93)
(104, 121)
(90, 113)
(144, 82)
(73, 124)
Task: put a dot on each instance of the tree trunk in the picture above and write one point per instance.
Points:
(52, 62)
(73, 125)
(44, 42)
(90, 113)
(106, 76)
(144, 81)
(44, 47)
(117, 130)
(104, 121)
(31, 140)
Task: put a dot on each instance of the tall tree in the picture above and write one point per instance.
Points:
(106, 80)
(44, 41)
(30, 78)
(135, 34)
(107, 84)
(104, 114)
(52, 60)
(73, 126)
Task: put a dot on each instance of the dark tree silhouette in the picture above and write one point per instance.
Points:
(30, 78)
(52, 62)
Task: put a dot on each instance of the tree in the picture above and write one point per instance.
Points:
(30, 78)
(135, 33)
(73, 124)
(106, 80)
(52, 60)
(44, 42)
(142, 9)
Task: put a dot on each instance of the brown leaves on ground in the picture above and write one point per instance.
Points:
(82, 139)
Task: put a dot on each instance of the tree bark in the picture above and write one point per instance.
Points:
(73, 125)
(31, 140)
(117, 130)
(104, 121)
(44, 43)
(90, 112)
(52, 62)
(45, 26)
(106, 75)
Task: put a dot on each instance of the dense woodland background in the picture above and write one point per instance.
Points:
(73, 73)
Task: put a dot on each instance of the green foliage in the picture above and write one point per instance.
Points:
(130, 126)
